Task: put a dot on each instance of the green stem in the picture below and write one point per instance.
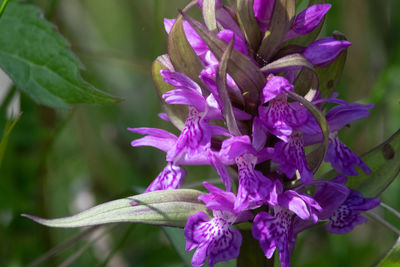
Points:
(52, 9)
(392, 210)
(3, 6)
(251, 253)
(383, 222)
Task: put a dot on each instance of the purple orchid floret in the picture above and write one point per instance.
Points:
(307, 20)
(171, 177)
(214, 238)
(291, 157)
(280, 117)
(347, 216)
(322, 52)
(275, 232)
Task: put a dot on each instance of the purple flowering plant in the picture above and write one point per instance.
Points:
(251, 91)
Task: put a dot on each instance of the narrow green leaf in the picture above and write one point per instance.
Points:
(319, 154)
(248, 24)
(284, 12)
(392, 258)
(3, 6)
(176, 113)
(209, 15)
(227, 110)
(384, 162)
(182, 54)
(329, 76)
(166, 207)
(176, 237)
(4, 139)
(38, 60)
(290, 62)
(246, 74)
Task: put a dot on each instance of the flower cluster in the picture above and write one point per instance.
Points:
(266, 150)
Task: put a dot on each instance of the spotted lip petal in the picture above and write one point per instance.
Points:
(172, 177)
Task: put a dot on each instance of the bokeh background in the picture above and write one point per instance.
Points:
(59, 162)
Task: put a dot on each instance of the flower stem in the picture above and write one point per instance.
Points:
(251, 253)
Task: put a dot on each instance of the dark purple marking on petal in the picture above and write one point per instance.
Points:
(172, 177)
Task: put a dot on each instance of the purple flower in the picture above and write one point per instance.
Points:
(307, 20)
(263, 12)
(291, 157)
(214, 238)
(279, 117)
(347, 216)
(172, 177)
(342, 158)
(274, 232)
(322, 52)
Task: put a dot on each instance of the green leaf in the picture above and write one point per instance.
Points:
(4, 139)
(37, 58)
(315, 159)
(384, 162)
(227, 110)
(182, 54)
(209, 15)
(176, 237)
(248, 24)
(165, 207)
(290, 62)
(3, 6)
(392, 258)
(246, 74)
(284, 12)
(176, 113)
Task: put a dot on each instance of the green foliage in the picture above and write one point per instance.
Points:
(165, 207)
(39, 61)
(392, 259)
(4, 138)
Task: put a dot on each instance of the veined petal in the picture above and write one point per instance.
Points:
(172, 177)
(180, 81)
(185, 97)
(342, 158)
(275, 86)
(347, 216)
(157, 138)
(341, 115)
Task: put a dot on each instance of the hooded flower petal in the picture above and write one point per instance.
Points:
(172, 177)
(307, 20)
(322, 52)
(263, 12)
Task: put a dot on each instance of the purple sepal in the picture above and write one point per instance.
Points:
(347, 216)
(263, 12)
(291, 157)
(222, 172)
(342, 158)
(307, 20)
(218, 199)
(259, 134)
(157, 138)
(322, 52)
(275, 232)
(341, 115)
(304, 206)
(171, 177)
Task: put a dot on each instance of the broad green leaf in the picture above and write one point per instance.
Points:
(248, 24)
(392, 258)
(182, 54)
(227, 110)
(245, 73)
(209, 15)
(284, 12)
(165, 207)
(176, 113)
(37, 58)
(4, 139)
(384, 162)
(329, 76)
(315, 159)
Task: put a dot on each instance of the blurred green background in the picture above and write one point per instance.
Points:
(59, 162)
